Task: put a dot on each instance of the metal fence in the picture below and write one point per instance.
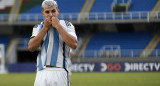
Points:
(147, 16)
(128, 53)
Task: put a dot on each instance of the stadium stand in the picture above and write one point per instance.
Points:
(4, 39)
(136, 6)
(142, 5)
(5, 6)
(30, 6)
(135, 40)
(71, 8)
(101, 6)
(158, 46)
(126, 40)
(152, 53)
(34, 7)
(24, 39)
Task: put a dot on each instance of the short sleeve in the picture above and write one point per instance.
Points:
(68, 27)
(36, 30)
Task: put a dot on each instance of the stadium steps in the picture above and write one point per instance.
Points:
(86, 9)
(11, 51)
(156, 8)
(15, 10)
(85, 42)
(151, 46)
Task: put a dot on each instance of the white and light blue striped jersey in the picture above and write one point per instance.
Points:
(54, 50)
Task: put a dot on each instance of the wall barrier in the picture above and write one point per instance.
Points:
(95, 67)
(116, 67)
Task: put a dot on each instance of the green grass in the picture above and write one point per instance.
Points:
(89, 79)
(17, 79)
(116, 79)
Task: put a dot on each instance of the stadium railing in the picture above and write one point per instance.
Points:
(123, 53)
(96, 17)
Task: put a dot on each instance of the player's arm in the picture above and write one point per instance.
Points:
(36, 41)
(68, 38)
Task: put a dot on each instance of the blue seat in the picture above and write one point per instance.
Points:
(65, 6)
(4, 39)
(23, 42)
(136, 40)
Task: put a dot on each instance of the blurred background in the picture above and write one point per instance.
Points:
(113, 35)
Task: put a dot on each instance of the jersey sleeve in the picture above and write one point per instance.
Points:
(68, 27)
(35, 31)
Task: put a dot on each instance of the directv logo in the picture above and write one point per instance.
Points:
(83, 67)
(142, 67)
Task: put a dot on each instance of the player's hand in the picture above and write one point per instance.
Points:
(47, 22)
(55, 22)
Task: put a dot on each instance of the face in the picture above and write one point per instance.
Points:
(51, 11)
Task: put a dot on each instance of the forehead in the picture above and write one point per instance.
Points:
(50, 8)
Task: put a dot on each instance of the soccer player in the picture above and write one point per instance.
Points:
(55, 37)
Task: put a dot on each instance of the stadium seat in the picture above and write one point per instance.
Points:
(23, 42)
(4, 39)
(142, 5)
(136, 40)
(75, 6)
(34, 7)
(101, 6)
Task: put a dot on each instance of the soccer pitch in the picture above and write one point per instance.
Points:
(89, 79)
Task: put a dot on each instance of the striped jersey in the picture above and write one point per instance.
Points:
(54, 51)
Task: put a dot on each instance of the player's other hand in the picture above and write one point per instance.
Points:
(55, 22)
(47, 22)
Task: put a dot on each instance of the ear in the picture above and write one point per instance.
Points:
(58, 11)
(42, 13)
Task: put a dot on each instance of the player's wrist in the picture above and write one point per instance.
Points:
(57, 26)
